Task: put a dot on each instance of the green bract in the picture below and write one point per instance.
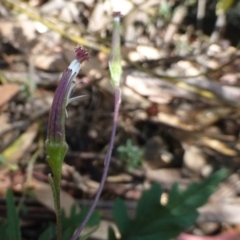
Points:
(115, 66)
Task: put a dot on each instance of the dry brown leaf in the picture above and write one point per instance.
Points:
(4, 123)
(220, 212)
(43, 194)
(194, 159)
(18, 148)
(229, 78)
(50, 62)
(134, 98)
(98, 13)
(149, 88)
(20, 33)
(210, 116)
(7, 91)
(173, 120)
(120, 178)
(143, 52)
(218, 146)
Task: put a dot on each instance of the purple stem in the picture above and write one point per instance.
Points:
(117, 96)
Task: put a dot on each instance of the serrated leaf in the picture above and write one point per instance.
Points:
(69, 224)
(149, 200)
(13, 227)
(120, 215)
(154, 221)
(196, 194)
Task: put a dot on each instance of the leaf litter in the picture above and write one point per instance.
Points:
(178, 87)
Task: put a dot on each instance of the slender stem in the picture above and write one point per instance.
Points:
(58, 212)
(55, 185)
(117, 95)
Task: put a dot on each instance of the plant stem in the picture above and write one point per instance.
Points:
(117, 96)
(55, 185)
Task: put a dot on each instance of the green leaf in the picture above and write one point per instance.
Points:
(94, 219)
(70, 224)
(154, 221)
(49, 233)
(13, 227)
(120, 215)
(149, 200)
(3, 230)
(74, 220)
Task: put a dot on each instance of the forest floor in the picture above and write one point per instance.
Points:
(179, 119)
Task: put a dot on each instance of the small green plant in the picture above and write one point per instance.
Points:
(69, 224)
(131, 155)
(10, 228)
(154, 221)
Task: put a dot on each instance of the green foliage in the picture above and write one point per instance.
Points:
(131, 155)
(71, 223)
(10, 229)
(91, 231)
(164, 10)
(49, 233)
(13, 226)
(154, 221)
(3, 228)
(27, 88)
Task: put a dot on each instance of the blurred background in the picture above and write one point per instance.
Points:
(179, 119)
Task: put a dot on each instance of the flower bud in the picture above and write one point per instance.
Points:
(56, 125)
(56, 145)
(115, 66)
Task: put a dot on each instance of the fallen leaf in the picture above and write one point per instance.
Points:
(7, 91)
(218, 146)
(18, 148)
(43, 194)
(50, 62)
(173, 120)
(194, 159)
